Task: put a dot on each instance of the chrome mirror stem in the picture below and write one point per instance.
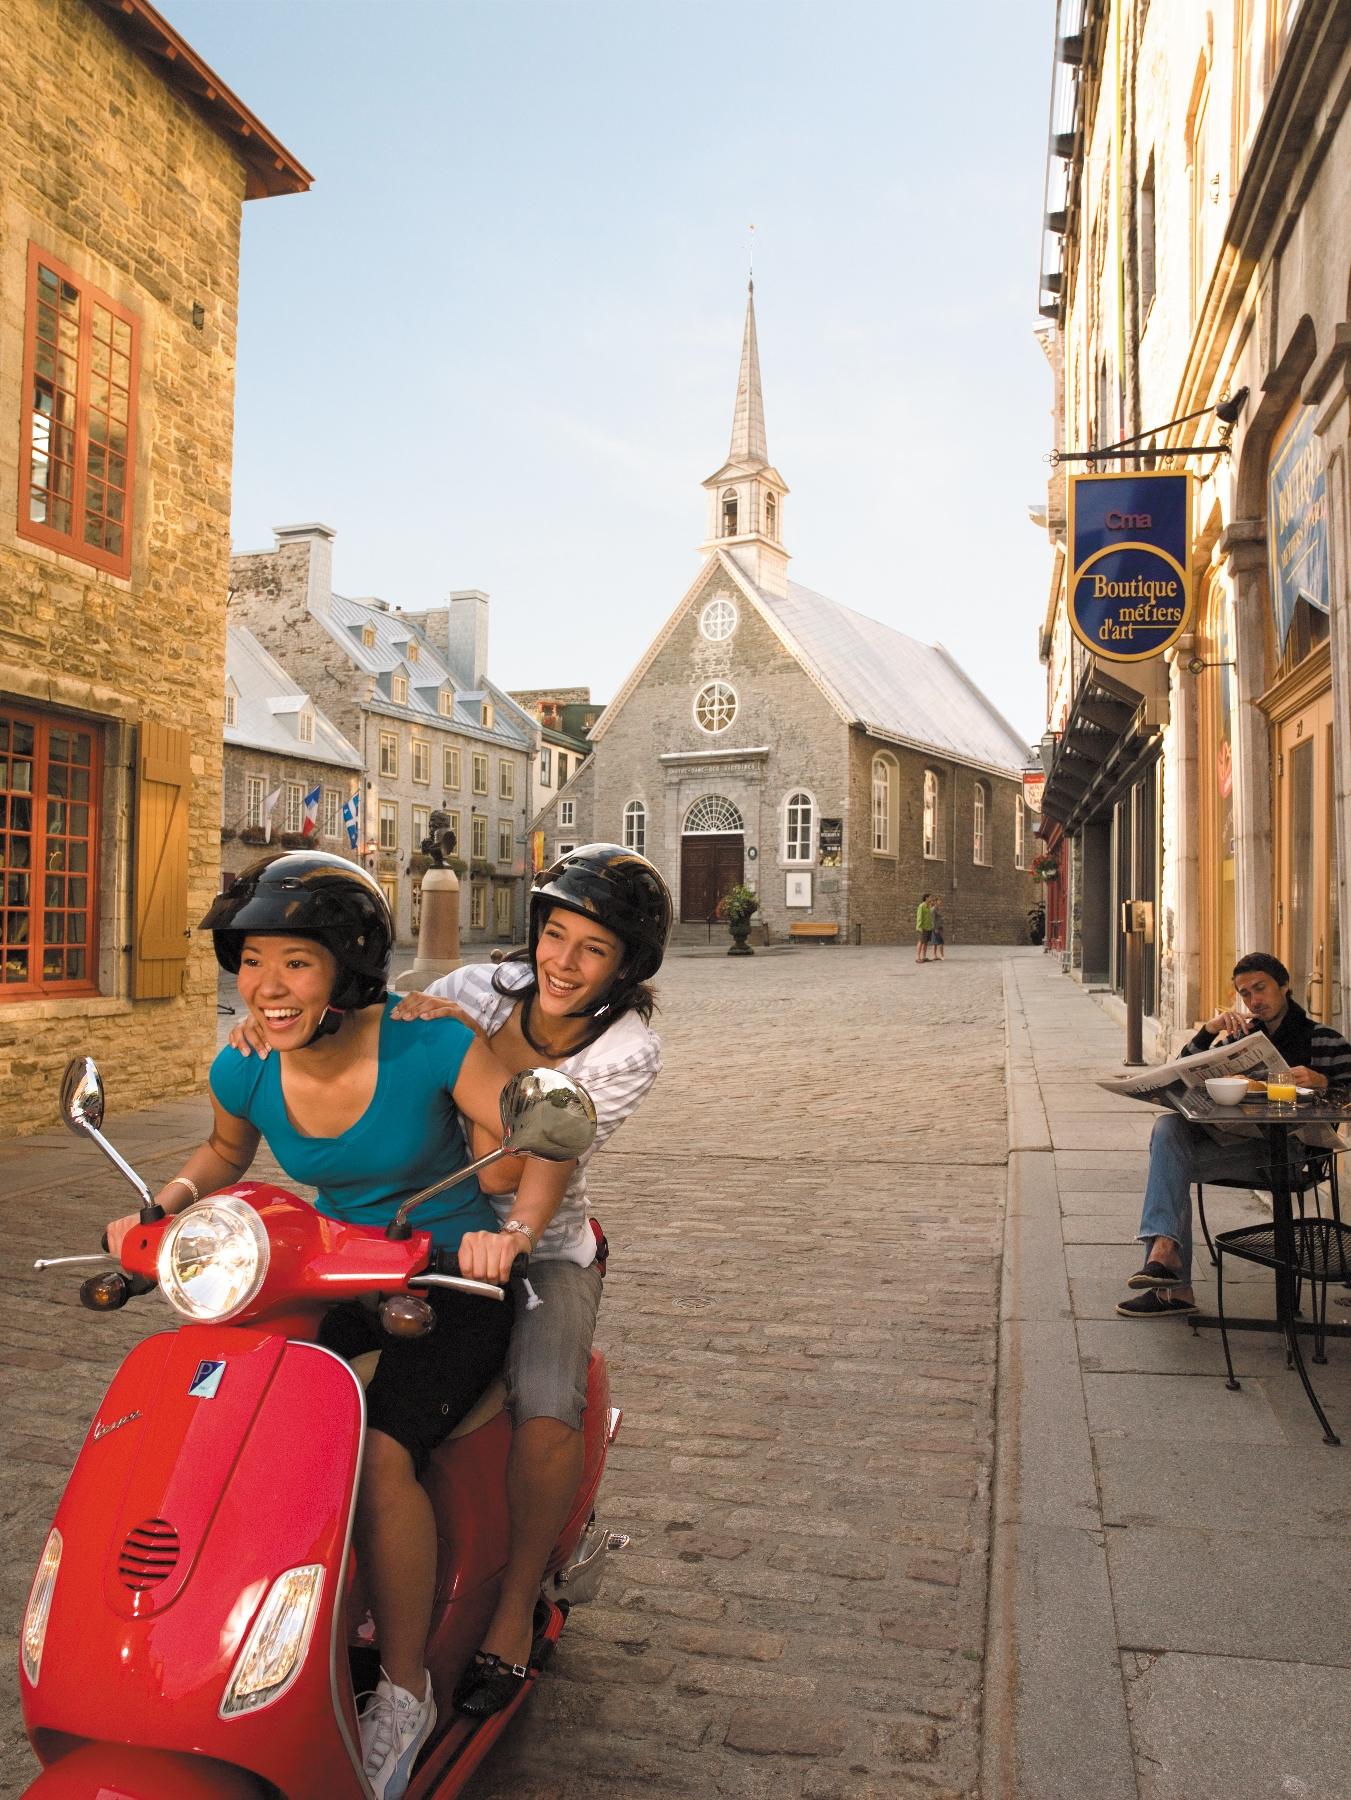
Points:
(398, 1225)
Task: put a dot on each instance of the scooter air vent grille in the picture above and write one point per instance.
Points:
(149, 1555)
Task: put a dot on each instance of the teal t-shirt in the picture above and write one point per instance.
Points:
(408, 1137)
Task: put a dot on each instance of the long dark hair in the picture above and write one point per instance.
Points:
(622, 996)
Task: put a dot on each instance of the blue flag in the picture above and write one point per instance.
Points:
(350, 813)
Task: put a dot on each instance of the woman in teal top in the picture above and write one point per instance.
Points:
(366, 1113)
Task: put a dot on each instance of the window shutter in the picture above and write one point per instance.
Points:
(160, 940)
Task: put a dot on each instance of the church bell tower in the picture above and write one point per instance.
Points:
(745, 496)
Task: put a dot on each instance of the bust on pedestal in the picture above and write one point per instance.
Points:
(438, 938)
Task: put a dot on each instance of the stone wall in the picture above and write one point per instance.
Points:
(276, 771)
(111, 174)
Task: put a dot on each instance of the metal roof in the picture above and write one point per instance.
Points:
(267, 702)
(894, 685)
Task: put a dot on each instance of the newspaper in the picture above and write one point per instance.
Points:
(1254, 1056)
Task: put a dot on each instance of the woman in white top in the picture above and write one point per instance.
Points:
(577, 1000)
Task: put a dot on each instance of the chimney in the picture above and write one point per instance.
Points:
(467, 638)
(319, 590)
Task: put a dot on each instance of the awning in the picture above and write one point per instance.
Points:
(1112, 727)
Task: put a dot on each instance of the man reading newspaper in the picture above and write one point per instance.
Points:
(1180, 1154)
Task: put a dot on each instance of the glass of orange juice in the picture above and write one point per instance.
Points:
(1281, 1090)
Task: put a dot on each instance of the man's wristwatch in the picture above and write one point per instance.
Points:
(520, 1227)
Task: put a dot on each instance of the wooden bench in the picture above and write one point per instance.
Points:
(814, 930)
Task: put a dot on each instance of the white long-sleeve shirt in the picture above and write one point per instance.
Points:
(616, 1070)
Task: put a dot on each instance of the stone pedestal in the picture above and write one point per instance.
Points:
(438, 938)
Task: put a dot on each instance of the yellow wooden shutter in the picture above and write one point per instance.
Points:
(160, 939)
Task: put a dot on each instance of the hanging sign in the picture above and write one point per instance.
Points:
(830, 843)
(1297, 523)
(1034, 786)
(1130, 562)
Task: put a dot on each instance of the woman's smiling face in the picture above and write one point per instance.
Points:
(286, 983)
(576, 961)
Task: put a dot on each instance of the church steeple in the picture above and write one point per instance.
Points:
(746, 493)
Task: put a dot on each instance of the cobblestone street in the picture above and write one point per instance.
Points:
(800, 1318)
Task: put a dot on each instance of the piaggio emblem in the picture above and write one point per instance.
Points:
(206, 1381)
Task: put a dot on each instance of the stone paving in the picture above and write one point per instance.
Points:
(801, 1320)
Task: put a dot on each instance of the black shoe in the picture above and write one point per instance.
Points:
(489, 1684)
(1154, 1305)
(1155, 1274)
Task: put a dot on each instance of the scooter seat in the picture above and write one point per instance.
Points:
(489, 1403)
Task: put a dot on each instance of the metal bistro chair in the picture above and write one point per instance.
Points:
(1318, 1167)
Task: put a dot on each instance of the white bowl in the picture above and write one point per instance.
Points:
(1227, 1090)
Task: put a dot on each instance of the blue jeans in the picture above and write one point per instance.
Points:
(1180, 1154)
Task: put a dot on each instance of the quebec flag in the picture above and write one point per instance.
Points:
(350, 813)
(311, 824)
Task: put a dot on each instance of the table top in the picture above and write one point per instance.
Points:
(1196, 1104)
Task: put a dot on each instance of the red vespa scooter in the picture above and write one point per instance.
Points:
(196, 1630)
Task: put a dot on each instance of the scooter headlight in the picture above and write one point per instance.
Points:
(275, 1648)
(40, 1607)
(213, 1259)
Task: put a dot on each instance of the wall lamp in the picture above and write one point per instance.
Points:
(1195, 664)
(1227, 411)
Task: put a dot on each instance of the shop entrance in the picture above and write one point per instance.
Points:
(1306, 873)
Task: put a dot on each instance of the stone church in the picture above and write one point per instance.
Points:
(773, 737)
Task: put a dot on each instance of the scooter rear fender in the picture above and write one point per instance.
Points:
(233, 1476)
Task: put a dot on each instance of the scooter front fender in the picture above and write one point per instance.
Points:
(128, 1772)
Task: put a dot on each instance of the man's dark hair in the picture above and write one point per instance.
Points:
(1258, 962)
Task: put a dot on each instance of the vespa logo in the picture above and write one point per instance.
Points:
(206, 1382)
(103, 1431)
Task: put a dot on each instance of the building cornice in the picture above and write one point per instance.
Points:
(689, 758)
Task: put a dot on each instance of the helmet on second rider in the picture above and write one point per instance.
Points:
(308, 893)
(620, 890)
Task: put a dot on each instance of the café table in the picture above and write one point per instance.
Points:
(1277, 1125)
(1296, 1248)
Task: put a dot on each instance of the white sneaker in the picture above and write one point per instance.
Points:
(394, 1727)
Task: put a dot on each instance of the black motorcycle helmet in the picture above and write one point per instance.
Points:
(618, 888)
(308, 893)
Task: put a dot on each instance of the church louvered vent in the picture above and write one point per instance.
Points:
(149, 1555)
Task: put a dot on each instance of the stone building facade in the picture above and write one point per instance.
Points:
(410, 692)
(126, 167)
(566, 718)
(1198, 292)
(771, 737)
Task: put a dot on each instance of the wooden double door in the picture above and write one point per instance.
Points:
(1307, 926)
(710, 864)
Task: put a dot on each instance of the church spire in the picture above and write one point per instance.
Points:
(748, 419)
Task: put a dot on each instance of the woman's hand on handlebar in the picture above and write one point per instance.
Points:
(117, 1230)
(248, 1037)
(488, 1255)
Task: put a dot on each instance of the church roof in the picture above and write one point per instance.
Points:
(893, 685)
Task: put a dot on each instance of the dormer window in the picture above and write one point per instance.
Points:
(771, 516)
(729, 510)
(413, 652)
(445, 702)
(305, 726)
(487, 715)
(231, 707)
(398, 689)
(368, 636)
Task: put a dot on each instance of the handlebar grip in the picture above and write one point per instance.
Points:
(103, 1240)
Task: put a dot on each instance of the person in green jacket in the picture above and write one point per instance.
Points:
(924, 928)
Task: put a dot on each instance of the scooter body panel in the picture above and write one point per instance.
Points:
(252, 1480)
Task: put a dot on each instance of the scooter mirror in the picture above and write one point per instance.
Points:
(546, 1114)
(82, 1096)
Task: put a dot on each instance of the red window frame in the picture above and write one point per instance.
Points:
(44, 892)
(83, 476)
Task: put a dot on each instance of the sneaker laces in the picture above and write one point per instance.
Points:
(377, 1726)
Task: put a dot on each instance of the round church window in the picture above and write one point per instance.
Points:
(715, 706)
(718, 619)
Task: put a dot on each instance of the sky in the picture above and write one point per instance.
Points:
(496, 345)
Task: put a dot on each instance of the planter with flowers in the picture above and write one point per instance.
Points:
(739, 906)
(1047, 868)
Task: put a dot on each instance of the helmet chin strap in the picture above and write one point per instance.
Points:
(331, 1022)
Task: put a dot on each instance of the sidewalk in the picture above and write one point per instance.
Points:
(1169, 1615)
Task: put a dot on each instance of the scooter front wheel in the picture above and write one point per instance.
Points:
(130, 1772)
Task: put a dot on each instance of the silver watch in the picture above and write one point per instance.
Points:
(520, 1227)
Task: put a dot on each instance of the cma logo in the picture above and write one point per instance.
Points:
(1119, 521)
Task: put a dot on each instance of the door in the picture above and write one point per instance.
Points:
(1306, 872)
(710, 864)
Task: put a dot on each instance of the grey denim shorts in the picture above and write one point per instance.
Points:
(550, 1346)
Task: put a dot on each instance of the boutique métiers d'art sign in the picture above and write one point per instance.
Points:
(1130, 562)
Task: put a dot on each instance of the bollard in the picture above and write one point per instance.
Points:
(1137, 922)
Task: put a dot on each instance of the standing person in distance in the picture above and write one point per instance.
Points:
(924, 926)
(936, 912)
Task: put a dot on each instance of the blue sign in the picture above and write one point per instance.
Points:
(1297, 524)
(1130, 562)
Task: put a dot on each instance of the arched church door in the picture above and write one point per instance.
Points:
(712, 856)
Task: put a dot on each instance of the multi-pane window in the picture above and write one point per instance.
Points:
(979, 813)
(478, 906)
(478, 837)
(714, 707)
(505, 846)
(506, 780)
(305, 727)
(797, 828)
(78, 452)
(1019, 833)
(450, 768)
(546, 757)
(487, 715)
(389, 753)
(564, 850)
(389, 824)
(421, 825)
(479, 772)
(635, 827)
(49, 777)
(455, 828)
(567, 813)
(413, 652)
(718, 619)
(295, 806)
(422, 759)
(882, 785)
(253, 800)
(368, 636)
(933, 818)
(231, 709)
(562, 767)
(502, 911)
(398, 689)
(332, 813)
(445, 702)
